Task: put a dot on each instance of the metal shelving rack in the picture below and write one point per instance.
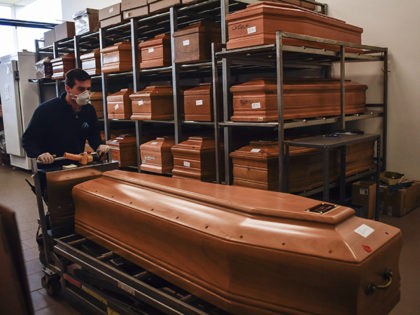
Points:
(281, 56)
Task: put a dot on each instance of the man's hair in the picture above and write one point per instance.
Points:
(76, 74)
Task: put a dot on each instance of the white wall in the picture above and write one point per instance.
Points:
(396, 25)
(71, 7)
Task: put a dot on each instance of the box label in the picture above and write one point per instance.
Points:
(151, 49)
(251, 29)
(140, 102)
(255, 150)
(364, 230)
(186, 42)
(198, 102)
(256, 105)
(187, 164)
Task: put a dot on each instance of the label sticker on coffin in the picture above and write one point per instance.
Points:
(256, 105)
(186, 163)
(117, 106)
(198, 102)
(140, 102)
(149, 158)
(251, 29)
(154, 143)
(364, 230)
(186, 42)
(255, 150)
(151, 49)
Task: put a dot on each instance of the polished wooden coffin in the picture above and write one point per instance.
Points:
(256, 100)
(193, 43)
(96, 100)
(123, 150)
(156, 155)
(117, 58)
(198, 103)
(244, 250)
(156, 52)
(360, 157)
(160, 5)
(91, 62)
(153, 103)
(61, 65)
(258, 23)
(119, 105)
(195, 158)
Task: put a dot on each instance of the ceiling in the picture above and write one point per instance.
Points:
(16, 2)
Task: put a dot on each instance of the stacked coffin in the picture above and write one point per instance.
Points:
(119, 105)
(259, 22)
(256, 100)
(156, 155)
(61, 65)
(360, 157)
(117, 58)
(123, 150)
(198, 103)
(44, 68)
(156, 52)
(195, 158)
(153, 103)
(96, 100)
(244, 250)
(91, 62)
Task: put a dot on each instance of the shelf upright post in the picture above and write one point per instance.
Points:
(134, 25)
(173, 16)
(57, 83)
(76, 40)
(280, 100)
(216, 116)
(104, 85)
(385, 110)
(342, 87)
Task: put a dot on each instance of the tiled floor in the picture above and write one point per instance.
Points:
(16, 195)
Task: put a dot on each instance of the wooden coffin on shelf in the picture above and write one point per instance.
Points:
(198, 103)
(117, 58)
(156, 155)
(359, 157)
(119, 105)
(257, 25)
(96, 100)
(256, 100)
(244, 250)
(159, 5)
(44, 68)
(123, 150)
(61, 65)
(91, 62)
(193, 43)
(153, 103)
(156, 52)
(195, 158)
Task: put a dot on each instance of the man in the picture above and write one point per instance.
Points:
(63, 124)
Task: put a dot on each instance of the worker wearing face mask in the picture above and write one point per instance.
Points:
(63, 124)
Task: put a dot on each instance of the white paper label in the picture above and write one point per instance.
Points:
(154, 143)
(198, 102)
(111, 10)
(187, 164)
(364, 230)
(116, 107)
(251, 29)
(256, 105)
(363, 191)
(186, 42)
(149, 158)
(255, 150)
(140, 102)
(151, 49)
(127, 14)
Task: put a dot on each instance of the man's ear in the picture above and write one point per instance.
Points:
(67, 88)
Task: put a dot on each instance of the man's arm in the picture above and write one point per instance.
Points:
(32, 136)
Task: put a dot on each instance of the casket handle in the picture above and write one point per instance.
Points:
(372, 287)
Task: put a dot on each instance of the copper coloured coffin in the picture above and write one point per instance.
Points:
(91, 62)
(258, 23)
(156, 155)
(245, 250)
(123, 150)
(61, 65)
(117, 58)
(153, 103)
(256, 100)
(156, 52)
(198, 103)
(119, 105)
(96, 100)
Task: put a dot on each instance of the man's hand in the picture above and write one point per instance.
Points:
(45, 158)
(102, 150)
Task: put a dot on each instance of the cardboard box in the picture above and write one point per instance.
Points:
(399, 202)
(132, 4)
(364, 195)
(86, 21)
(49, 37)
(110, 11)
(64, 30)
(111, 21)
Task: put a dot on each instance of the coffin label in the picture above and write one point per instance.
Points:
(150, 50)
(154, 143)
(256, 105)
(364, 230)
(255, 150)
(149, 158)
(141, 102)
(116, 107)
(186, 42)
(198, 102)
(251, 29)
(187, 164)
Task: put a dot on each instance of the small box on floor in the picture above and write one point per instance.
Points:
(399, 200)
(364, 195)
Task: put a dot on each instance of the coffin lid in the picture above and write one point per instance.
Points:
(279, 9)
(124, 139)
(117, 47)
(157, 143)
(199, 27)
(195, 143)
(153, 90)
(120, 95)
(204, 88)
(63, 58)
(93, 54)
(157, 40)
(257, 150)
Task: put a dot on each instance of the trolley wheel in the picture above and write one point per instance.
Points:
(51, 284)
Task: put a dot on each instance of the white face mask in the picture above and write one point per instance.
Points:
(82, 98)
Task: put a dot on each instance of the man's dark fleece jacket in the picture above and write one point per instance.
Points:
(56, 128)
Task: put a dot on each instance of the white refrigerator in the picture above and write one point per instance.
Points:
(19, 99)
